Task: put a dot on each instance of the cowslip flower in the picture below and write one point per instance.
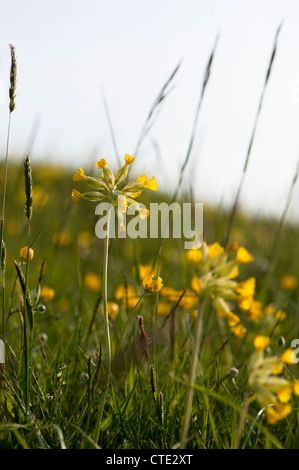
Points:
(24, 253)
(271, 391)
(216, 276)
(106, 188)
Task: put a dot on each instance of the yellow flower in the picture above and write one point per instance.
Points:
(47, 293)
(288, 282)
(76, 195)
(196, 284)
(286, 357)
(296, 387)
(143, 213)
(277, 412)
(129, 159)
(245, 302)
(261, 342)
(269, 309)
(127, 294)
(123, 291)
(152, 184)
(144, 270)
(84, 239)
(152, 285)
(233, 246)
(122, 203)
(24, 253)
(255, 310)
(134, 195)
(163, 308)
(232, 318)
(194, 256)
(284, 395)
(242, 256)
(277, 370)
(79, 175)
(234, 273)
(189, 301)
(112, 308)
(62, 239)
(214, 250)
(92, 281)
(239, 330)
(101, 163)
(149, 184)
(170, 294)
(246, 288)
(280, 315)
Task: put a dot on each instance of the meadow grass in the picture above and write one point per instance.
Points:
(68, 363)
(99, 357)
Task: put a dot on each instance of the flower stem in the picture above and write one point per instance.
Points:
(107, 331)
(189, 401)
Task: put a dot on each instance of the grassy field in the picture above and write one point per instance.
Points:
(122, 343)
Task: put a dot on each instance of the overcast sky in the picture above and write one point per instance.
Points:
(69, 51)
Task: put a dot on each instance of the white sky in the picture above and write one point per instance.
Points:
(68, 50)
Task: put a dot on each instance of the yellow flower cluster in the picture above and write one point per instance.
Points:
(216, 270)
(272, 392)
(106, 189)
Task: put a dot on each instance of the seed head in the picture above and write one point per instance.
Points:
(13, 79)
(28, 187)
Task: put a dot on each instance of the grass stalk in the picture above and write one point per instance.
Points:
(249, 149)
(192, 376)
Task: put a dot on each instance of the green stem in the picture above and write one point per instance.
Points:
(107, 332)
(129, 318)
(2, 224)
(27, 355)
(189, 401)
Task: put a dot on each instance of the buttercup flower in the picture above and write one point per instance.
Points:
(47, 293)
(288, 282)
(152, 285)
(261, 342)
(287, 356)
(24, 253)
(113, 310)
(92, 281)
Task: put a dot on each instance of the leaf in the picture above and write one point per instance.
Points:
(35, 240)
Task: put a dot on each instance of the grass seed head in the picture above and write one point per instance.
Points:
(13, 79)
